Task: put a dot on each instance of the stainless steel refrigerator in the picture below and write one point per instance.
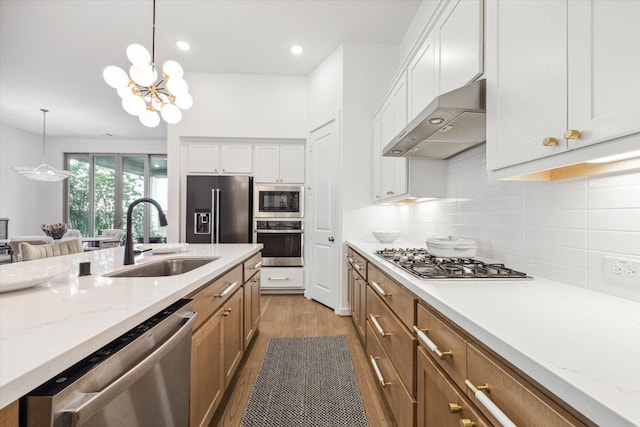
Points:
(219, 209)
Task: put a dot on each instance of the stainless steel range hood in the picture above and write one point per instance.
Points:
(451, 123)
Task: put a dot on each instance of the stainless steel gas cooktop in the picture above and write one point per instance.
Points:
(420, 263)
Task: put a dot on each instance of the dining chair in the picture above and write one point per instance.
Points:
(15, 241)
(116, 236)
(66, 247)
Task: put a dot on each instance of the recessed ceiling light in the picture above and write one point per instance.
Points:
(183, 45)
(296, 49)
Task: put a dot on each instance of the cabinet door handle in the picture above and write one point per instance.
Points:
(430, 344)
(571, 134)
(389, 193)
(549, 142)
(278, 278)
(257, 266)
(466, 422)
(377, 325)
(356, 266)
(381, 380)
(378, 289)
(488, 404)
(226, 291)
(226, 312)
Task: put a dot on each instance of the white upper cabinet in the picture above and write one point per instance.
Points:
(422, 77)
(203, 158)
(213, 158)
(604, 70)
(569, 66)
(460, 44)
(389, 173)
(394, 111)
(279, 163)
(377, 158)
(236, 158)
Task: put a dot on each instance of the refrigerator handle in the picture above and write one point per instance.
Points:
(215, 209)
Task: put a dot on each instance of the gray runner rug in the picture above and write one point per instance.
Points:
(307, 381)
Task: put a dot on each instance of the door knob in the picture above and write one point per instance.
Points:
(331, 239)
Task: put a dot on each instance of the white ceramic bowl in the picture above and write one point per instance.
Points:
(385, 236)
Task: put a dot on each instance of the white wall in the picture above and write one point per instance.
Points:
(234, 106)
(27, 203)
(367, 70)
(557, 230)
(325, 89)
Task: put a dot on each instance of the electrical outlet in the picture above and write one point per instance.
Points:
(622, 270)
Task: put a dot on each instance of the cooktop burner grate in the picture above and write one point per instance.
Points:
(421, 264)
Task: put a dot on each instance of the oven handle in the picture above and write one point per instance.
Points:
(100, 399)
(279, 231)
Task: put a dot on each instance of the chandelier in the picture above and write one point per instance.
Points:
(44, 172)
(143, 92)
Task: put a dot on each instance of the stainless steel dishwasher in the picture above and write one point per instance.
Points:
(140, 379)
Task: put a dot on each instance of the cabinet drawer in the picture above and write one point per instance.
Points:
(210, 298)
(517, 399)
(450, 352)
(282, 277)
(401, 301)
(252, 266)
(358, 263)
(402, 405)
(396, 340)
(440, 402)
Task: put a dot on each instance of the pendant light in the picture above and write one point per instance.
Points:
(44, 172)
(144, 92)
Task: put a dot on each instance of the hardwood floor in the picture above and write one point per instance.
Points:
(294, 316)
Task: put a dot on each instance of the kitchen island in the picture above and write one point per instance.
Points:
(47, 328)
(580, 345)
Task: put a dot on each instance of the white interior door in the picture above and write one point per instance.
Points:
(324, 274)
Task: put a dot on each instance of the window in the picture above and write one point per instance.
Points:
(102, 186)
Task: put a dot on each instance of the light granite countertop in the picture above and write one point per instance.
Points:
(581, 345)
(47, 328)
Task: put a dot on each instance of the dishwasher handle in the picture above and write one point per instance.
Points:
(95, 401)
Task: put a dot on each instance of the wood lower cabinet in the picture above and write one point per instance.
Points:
(9, 415)
(225, 327)
(357, 283)
(439, 402)
(520, 401)
(232, 345)
(207, 382)
(399, 399)
(251, 308)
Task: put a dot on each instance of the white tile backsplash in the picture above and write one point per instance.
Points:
(557, 230)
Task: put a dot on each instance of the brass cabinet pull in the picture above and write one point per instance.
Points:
(378, 289)
(374, 320)
(466, 422)
(257, 266)
(356, 266)
(278, 278)
(430, 344)
(389, 193)
(571, 134)
(381, 380)
(549, 142)
(226, 291)
(454, 408)
(488, 404)
(226, 311)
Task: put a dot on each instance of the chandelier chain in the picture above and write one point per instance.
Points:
(44, 130)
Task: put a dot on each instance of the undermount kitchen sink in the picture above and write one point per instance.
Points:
(166, 267)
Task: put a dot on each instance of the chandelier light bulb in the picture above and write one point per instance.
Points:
(184, 101)
(173, 69)
(177, 86)
(149, 118)
(115, 77)
(133, 105)
(124, 91)
(171, 114)
(138, 54)
(143, 75)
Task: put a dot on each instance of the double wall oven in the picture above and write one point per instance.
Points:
(278, 224)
